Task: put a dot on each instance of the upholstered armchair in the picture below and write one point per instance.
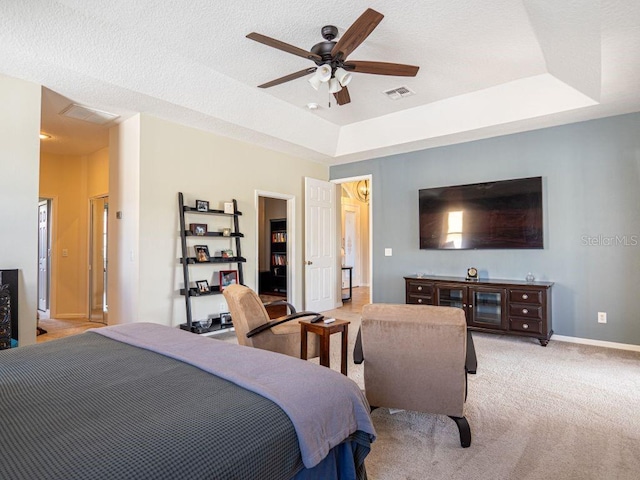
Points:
(254, 328)
(415, 358)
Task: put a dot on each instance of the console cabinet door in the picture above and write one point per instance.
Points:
(451, 295)
(487, 308)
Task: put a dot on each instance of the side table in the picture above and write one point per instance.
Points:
(324, 330)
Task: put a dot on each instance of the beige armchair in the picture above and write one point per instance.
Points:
(254, 328)
(415, 358)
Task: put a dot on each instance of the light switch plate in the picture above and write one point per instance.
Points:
(388, 252)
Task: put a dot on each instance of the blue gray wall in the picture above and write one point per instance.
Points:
(591, 185)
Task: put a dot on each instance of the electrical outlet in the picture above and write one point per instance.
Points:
(602, 317)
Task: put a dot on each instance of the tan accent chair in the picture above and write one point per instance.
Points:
(415, 359)
(255, 329)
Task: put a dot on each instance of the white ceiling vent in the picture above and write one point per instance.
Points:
(88, 114)
(398, 93)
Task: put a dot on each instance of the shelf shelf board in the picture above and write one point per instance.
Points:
(192, 260)
(189, 233)
(209, 212)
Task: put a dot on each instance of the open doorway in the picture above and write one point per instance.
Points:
(275, 249)
(355, 238)
(98, 227)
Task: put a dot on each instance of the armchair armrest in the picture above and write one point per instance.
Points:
(266, 326)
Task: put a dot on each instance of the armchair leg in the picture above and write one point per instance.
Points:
(464, 429)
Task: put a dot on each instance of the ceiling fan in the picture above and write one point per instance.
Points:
(330, 57)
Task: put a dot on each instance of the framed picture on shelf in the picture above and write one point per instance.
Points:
(198, 228)
(228, 207)
(202, 253)
(228, 277)
(227, 253)
(203, 286)
(202, 205)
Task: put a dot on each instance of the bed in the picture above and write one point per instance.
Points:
(142, 400)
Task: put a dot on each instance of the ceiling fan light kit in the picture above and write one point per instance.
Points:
(331, 57)
(334, 85)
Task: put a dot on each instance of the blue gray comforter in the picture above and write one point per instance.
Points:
(95, 406)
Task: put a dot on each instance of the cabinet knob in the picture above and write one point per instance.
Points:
(525, 311)
(419, 300)
(525, 296)
(420, 287)
(525, 325)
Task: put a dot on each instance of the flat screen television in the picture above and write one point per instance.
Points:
(504, 214)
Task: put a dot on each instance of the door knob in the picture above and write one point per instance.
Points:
(309, 262)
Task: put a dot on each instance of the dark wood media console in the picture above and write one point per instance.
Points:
(507, 307)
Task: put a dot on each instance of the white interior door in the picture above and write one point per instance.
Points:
(43, 256)
(320, 245)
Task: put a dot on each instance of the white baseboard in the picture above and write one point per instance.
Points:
(597, 343)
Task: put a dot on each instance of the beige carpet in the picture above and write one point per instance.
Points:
(566, 411)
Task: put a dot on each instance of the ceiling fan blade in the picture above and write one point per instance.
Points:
(342, 97)
(381, 68)
(356, 33)
(286, 78)
(285, 47)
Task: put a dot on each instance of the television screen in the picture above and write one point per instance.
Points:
(503, 214)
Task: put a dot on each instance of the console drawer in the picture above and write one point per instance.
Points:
(420, 288)
(420, 299)
(525, 296)
(528, 311)
(525, 325)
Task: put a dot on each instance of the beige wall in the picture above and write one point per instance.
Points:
(123, 237)
(19, 159)
(69, 181)
(174, 158)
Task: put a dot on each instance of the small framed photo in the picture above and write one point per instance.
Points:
(202, 253)
(198, 228)
(202, 205)
(228, 207)
(203, 286)
(227, 253)
(226, 232)
(228, 277)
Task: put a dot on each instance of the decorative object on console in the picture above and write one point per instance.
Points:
(530, 278)
(472, 273)
(198, 228)
(202, 205)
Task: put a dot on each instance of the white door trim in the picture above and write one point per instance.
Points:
(291, 239)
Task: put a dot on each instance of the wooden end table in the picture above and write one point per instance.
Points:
(324, 330)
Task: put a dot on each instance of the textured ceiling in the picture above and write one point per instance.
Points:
(486, 68)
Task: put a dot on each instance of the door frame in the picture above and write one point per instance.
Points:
(48, 203)
(90, 263)
(340, 181)
(291, 239)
